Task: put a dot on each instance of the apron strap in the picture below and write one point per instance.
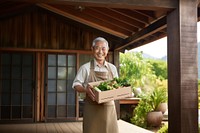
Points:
(91, 73)
(92, 64)
(110, 71)
(110, 74)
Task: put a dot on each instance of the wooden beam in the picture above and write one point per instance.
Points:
(78, 19)
(182, 68)
(110, 18)
(121, 17)
(37, 88)
(108, 21)
(134, 15)
(156, 26)
(131, 4)
(149, 39)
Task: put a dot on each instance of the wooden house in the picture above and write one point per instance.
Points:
(44, 42)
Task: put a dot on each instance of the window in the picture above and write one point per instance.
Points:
(17, 85)
(61, 70)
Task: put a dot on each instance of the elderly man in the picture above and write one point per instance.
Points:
(97, 118)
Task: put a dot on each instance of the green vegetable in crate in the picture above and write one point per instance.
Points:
(97, 89)
(122, 82)
(104, 86)
(112, 84)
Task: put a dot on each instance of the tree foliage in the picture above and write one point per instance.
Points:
(142, 73)
(136, 69)
(149, 75)
(159, 67)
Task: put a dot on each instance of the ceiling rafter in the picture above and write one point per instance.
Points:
(151, 29)
(81, 20)
(130, 23)
(94, 18)
(115, 20)
(117, 24)
(120, 17)
(141, 42)
(149, 14)
(155, 35)
(129, 19)
(133, 15)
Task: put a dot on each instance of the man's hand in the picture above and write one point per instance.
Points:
(90, 92)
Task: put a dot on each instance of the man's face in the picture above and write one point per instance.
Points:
(100, 51)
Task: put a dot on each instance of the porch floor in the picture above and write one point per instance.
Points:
(64, 127)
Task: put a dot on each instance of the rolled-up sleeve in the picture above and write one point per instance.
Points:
(81, 77)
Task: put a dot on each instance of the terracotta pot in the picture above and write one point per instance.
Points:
(162, 107)
(154, 118)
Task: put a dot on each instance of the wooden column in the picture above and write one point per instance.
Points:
(182, 68)
(116, 59)
(40, 101)
(38, 84)
(116, 63)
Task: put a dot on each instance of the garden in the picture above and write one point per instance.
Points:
(148, 79)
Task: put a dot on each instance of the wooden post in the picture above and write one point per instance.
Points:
(40, 101)
(182, 68)
(116, 63)
(42, 88)
(38, 79)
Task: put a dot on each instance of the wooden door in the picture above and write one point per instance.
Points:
(17, 89)
(60, 97)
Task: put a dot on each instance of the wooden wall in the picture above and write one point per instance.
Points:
(41, 29)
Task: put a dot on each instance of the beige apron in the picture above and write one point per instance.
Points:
(99, 118)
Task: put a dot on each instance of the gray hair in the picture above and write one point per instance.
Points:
(100, 39)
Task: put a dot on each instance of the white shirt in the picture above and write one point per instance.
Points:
(84, 71)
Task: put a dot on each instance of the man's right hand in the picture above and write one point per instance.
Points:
(90, 92)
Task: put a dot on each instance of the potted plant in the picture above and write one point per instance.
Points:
(156, 98)
(163, 105)
(146, 113)
(163, 129)
(141, 110)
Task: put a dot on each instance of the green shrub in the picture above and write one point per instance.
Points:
(138, 70)
(159, 67)
(140, 112)
(159, 95)
(163, 129)
(148, 102)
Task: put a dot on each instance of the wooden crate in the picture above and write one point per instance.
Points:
(109, 95)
